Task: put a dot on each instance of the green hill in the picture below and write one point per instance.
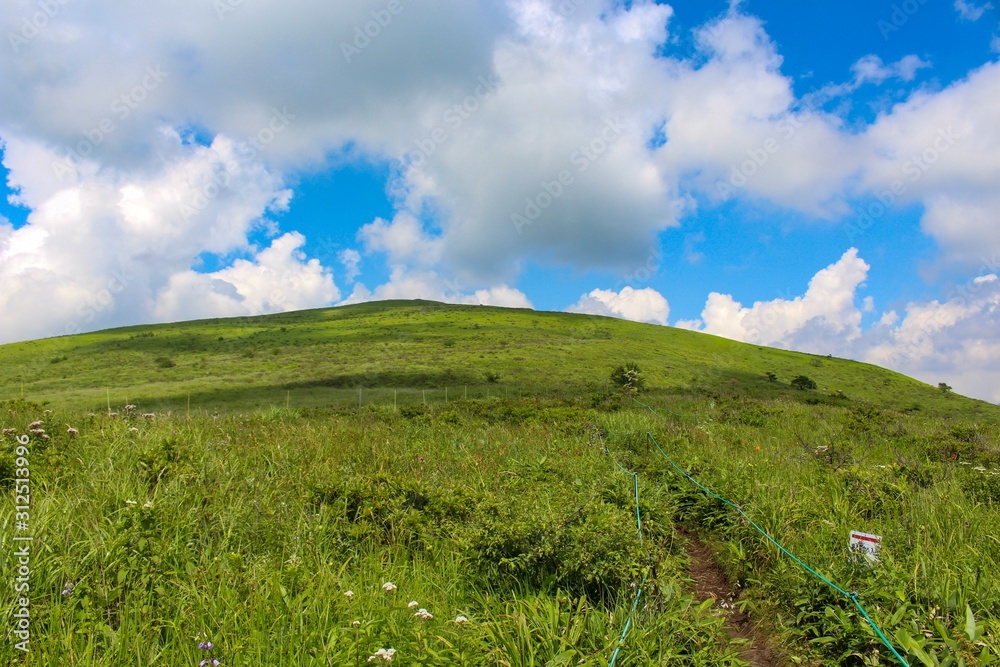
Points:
(184, 493)
(322, 357)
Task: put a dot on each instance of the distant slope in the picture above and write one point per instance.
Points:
(324, 356)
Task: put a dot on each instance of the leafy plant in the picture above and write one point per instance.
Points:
(803, 382)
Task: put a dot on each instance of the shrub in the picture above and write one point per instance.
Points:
(628, 378)
(165, 362)
(492, 377)
(803, 382)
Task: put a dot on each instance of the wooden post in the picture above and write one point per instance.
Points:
(394, 399)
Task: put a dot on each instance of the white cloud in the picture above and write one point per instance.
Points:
(350, 259)
(279, 278)
(818, 321)
(970, 11)
(100, 242)
(952, 341)
(942, 149)
(871, 69)
(642, 305)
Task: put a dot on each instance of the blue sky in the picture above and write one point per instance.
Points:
(716, 155)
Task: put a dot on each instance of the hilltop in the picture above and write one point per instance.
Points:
(418, 350)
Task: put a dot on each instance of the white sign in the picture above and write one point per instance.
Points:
(866, 542)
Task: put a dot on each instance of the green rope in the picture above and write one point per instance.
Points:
(638, 526)
(852, 596)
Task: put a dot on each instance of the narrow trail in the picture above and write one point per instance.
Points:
(711, 582)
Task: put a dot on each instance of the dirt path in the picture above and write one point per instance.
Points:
(710, 582)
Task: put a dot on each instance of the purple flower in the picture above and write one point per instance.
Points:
(205, 663)
(205, 646)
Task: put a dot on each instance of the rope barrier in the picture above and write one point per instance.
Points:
(638, 526)
(852, 596)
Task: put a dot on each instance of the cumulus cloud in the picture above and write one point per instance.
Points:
(350, 259)
(818, 321)
(100, 242)
(277, 279)
(639, 305)
(951, 340)
(942, 149)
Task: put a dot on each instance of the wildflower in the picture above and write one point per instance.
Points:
(133, 430)
(148, 505)
(389, 587)
(348, 594)
(757, 448)
(68, 590)
(205, 646)
(461, 620)
(131, 502)
(383, 653)
(980, 468)
(413, 604)
(356, 624)
(423, 614)
(35, 424)
(206, 662)
(72, 431)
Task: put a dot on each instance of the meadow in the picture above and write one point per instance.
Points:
(537, 514)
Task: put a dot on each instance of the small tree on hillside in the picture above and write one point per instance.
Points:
(944, 387)
(628, 379)
(803, 382)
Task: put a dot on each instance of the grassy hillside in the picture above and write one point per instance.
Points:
(322, 357)
(546, 519)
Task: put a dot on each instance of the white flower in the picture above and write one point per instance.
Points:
(148, 504)
(423, 614)
(348, 594)
(388, 587)
(356, 624)
(383, 653)
(461, 620)
(413, 604)
(131, 502)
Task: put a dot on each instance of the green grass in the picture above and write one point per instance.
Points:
(322, 357)
(243, 522)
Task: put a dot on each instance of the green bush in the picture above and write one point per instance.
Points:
(803, 382)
